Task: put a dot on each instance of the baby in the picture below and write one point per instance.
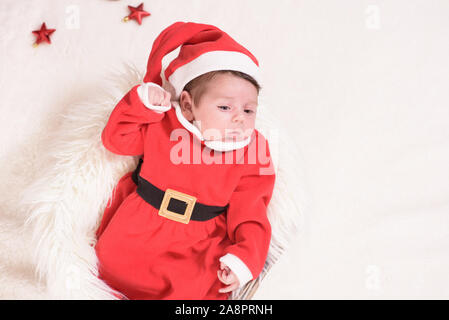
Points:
(180, 230)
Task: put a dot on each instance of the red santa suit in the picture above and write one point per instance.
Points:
(147, 256)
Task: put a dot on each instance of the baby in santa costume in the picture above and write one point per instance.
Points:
(191, 221)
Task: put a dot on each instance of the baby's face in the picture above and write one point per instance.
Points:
(227, 109)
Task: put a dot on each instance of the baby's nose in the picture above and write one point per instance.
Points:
(238, 117)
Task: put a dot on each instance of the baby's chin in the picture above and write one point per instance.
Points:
(231, 137)
(228, 139)
(234, 138)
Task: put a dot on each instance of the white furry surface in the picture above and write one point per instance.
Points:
(76, 175)
(64, 201)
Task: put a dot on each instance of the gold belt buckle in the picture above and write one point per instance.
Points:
(173, 194)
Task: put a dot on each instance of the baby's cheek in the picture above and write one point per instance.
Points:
(212, 130)
(247, 132)
(212, 134)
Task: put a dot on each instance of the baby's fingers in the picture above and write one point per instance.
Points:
(167, 97)
(229, 279)
(232, 287)
(221, 276)
(155, 96)
(226, 278)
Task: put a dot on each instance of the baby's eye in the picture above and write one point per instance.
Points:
(249, 111)
(223, 107)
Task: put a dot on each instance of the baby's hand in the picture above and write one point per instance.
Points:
(158, 97)
(227, 277)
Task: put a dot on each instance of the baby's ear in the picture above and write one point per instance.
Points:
(186, 104)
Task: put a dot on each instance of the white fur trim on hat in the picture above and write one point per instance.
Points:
(212, 61)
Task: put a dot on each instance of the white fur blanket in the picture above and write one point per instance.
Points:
(54, 202)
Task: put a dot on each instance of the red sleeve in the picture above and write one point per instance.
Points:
(248, 226)
(125, 130)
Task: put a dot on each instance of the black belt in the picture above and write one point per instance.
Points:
(175, 205)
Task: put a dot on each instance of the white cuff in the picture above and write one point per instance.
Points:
(238, 267)
(142, 92)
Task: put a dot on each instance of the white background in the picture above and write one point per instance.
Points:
(362, 86)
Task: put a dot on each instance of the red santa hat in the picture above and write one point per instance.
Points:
(204, 48)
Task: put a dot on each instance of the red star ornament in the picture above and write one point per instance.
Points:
(43, 35)
(137, 13)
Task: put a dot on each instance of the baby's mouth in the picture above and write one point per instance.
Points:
(237, 135)
(228, 135)
(234, 135)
